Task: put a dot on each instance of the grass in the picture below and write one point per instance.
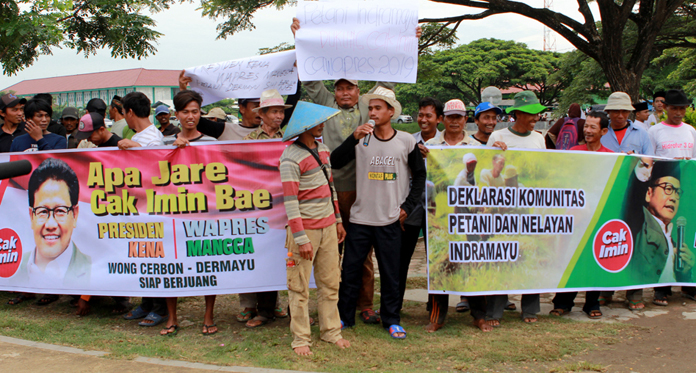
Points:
(456, 347)
(581, 366)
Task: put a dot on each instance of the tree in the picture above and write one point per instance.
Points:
(602, 41)
(464, 71)
(29, 29)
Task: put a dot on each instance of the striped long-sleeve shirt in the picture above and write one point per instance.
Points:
(309, 201)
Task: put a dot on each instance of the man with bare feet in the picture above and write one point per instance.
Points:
(314, 227)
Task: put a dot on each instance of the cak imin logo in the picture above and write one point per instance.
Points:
(10, 252)
(613, 246)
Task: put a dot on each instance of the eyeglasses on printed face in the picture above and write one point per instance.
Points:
(670, 189)
(60, 213)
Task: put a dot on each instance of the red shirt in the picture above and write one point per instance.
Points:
(620, 134)
(583, 147)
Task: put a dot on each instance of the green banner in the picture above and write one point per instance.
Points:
(537, 221)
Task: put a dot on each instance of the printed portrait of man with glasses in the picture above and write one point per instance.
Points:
(657, 257)
(53, 208)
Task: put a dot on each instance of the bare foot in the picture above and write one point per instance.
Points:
(483, 325)
(433, 327)
(304, 350)
(530, 320)
(494, 322)
(342, 343)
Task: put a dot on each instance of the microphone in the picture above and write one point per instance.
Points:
(366, 141)
(678, 262)
(15, 168)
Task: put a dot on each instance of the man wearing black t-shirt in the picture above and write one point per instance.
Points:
(12, 112)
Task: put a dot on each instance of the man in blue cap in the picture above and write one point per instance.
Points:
(486, 118)
(314, 227)
(162, 114)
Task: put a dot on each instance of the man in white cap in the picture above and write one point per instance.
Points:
(272, 113)
(623, 136)
(390, 177)
(314, 227)
(455, 126)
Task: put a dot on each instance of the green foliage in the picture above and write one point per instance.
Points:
(228, 105)
(690, 117)
(284, 46)
(435, 36)
(237, 14)
(682, 74)
(586, 81)
(463, 72)
(29, 29)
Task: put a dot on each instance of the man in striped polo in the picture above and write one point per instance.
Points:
(314, 227)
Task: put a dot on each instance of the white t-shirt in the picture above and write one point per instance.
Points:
(673, 141)
(150, 136)
(643, 125)
(529, 140)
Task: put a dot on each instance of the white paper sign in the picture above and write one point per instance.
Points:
(363, 40)
(246, 77)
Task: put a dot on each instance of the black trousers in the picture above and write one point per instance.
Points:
(266, 302)
(566, 301)
(156, 305)
(387, 243)
(409, 239)
(438, 304)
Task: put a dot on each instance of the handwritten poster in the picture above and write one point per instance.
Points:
(246, 77)
(363, 40)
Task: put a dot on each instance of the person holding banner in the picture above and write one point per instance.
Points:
(455, 135)
(596, 125)
(623, 135)
(314, 227)
(486, 118)
(136, 107)
(188, 111)
(526, 111)
(673, 138)
(354, 112)
(385, 198)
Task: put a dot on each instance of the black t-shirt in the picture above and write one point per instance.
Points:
(58, 129)
(113, 141)
(6, 138)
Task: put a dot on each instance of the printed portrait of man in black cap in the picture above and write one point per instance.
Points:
(657, 190)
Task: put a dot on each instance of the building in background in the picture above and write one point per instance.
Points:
(77, 90)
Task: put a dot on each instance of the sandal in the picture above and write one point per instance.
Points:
(603, 301)
(594, 314)
(280, 313)
(137, 313)
(19, 299)
(462, 306)
(369, 317)
(170, 331)
(660, 301)
(494, 323)
(257, 321)
(433, 327)
(155, 318)
(244, 316)
(510, 306)
(559, 312)
(207, 329)
(396, 329)
(47, 299)
(636, 305)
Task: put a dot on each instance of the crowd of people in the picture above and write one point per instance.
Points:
(361, 190)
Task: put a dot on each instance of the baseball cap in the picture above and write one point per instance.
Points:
(162, 109)
(70, 112)
(485, 106)
(10, 100)
(455, 106)
(351, 81)
(96, 105)
(89, 123)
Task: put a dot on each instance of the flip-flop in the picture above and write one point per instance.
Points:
(462, 306)
(280, 313)
(137, 313)
(594, 317)
(636, 305)
(170, 331)
(47, 299)
(245, 316)
(559, 312)
(510, 306)
(261, 319)
(207, 329)
(155, 318)
(19, 299)
(604, 300)
(396, 329)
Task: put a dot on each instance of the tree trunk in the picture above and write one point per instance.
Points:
(622, 79)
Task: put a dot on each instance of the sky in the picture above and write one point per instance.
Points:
(191, 40)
